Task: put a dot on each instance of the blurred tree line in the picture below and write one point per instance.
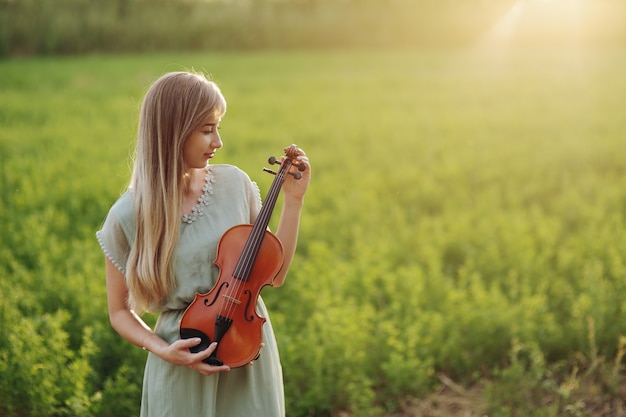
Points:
(42, 27)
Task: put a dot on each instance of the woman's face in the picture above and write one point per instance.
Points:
(201, 145)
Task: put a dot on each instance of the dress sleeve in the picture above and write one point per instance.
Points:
(114, 242)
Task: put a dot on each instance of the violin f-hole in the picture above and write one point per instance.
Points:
(246, 314)
(206, 300)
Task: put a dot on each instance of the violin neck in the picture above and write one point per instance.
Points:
(251, 249)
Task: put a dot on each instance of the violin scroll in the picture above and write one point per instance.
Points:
(291, 152)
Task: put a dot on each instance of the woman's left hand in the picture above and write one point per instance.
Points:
(296, 188)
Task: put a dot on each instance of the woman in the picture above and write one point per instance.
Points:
(160, 239)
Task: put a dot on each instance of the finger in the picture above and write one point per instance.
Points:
(304, 160)
(203, 367)
(202, 355)
(187, 343)
(211, 348)
(207, 369)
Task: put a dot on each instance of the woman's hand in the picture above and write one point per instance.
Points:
(178, 353)
(292, 187)
(130, 326)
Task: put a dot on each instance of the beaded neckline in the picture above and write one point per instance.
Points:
(204, 199)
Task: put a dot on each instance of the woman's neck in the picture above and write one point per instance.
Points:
(194, 181)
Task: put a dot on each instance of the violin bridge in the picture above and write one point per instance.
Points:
(231, 299)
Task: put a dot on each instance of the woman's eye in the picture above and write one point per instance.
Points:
(211, 129)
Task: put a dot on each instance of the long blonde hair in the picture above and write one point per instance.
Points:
(174, 106)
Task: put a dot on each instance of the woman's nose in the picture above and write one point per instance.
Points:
(217, 141)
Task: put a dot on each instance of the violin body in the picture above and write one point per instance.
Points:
(230, 306)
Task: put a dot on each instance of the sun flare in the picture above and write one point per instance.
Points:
(562, 21)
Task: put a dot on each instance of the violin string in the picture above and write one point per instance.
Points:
(258, 233)
(244, 266)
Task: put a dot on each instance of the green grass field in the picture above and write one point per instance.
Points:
(466, 218)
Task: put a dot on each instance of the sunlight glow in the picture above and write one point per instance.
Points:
(541, 21)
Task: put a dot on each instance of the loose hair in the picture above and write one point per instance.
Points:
(174, 106)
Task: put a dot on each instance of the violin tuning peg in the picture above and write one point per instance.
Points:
(301, 167)
(272, 160)
(297, 175)
(270, 171)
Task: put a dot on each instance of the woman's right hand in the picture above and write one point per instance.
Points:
(136, 331)
(178, 353)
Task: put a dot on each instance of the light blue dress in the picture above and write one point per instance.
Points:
(229, 198)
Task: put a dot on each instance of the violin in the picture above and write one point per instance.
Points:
(249, 257)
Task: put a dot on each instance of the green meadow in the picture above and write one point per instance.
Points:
(465, 223)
